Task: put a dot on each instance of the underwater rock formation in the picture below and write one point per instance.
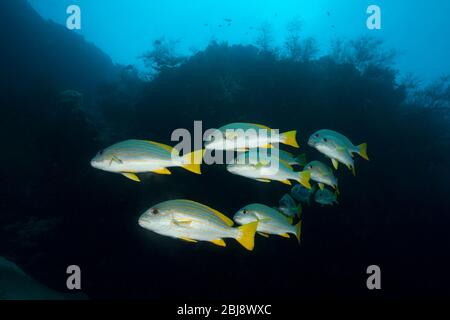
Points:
(15, 284)
(35, 50)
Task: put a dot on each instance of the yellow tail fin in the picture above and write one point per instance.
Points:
(246, 235)
(290, 139)
(299, 210)
(363, 151)
(193, 160)
(298, 230)
(303, 178)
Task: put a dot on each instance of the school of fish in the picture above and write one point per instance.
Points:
(258, 158)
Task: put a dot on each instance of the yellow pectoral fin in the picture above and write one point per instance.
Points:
(284, 235)
(187, 239)
(263, 234)
(266, 146)
(263, 180)
(161, 171)
(219, 242)
(182, 222)
(335, 163)
(131, 176)
(286, 182)
(321, 186)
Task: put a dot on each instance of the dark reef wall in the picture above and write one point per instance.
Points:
(39, 51)
(48, 141)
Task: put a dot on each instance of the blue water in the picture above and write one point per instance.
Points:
(416, 29)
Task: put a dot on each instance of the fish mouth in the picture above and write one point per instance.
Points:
(237, 219)
(311, 143)
(94, 163)
(143, 221)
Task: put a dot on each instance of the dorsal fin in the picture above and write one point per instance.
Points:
(162, 145)
(218, 214)
(261, 126)
(223, 217)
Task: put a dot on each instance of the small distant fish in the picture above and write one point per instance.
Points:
(227, 20)
(270, 221)
(192, 221)
(220, 26)
(325, 197)
(267, 171)
(337, 147)
(138, 156)
(237, 136)
(322, 174)
(288, 206)
(302, 194)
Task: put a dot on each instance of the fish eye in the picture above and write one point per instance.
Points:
(244, 211)
(154, 211)
(100, 152)
(317, 135)
(325, 139)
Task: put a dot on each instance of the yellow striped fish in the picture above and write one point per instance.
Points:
(192, 221)
(266, 171)
(337, 147)
(243, 136)
(271, 221)
(138, 156)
